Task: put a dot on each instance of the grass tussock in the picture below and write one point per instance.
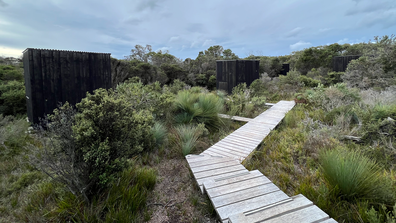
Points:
(351, 175)
(186, 137)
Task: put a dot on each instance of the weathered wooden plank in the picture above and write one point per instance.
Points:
(239, 143)
(227, 152)
(211, 153)
(196, 158)
(298, 202)
(242, 195)
(214, 166)
(237, 186)
(251, 204)
(231, 174)
(221, 182)
(209, 161)
(219, 171)
(237, 118)
(308, 214)
(228, 145)
(236, 136)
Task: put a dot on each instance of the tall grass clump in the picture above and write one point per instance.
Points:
(159, 133)
(353, 176)
(186, 137)
(199, 108)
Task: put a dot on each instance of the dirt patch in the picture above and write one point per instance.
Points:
(176, 196)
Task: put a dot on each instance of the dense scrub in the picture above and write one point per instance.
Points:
(108, 158)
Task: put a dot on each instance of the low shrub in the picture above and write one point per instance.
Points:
(12, 98)
(352, 176)
(186, 137)
(85, 150)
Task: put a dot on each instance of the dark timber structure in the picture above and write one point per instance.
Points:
(230, 73)
(340, 63)
(285, 69)
(58, 76)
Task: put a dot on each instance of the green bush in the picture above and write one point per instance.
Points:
(352, 176)
(292, 81)
(10, 73)
(334, 77)
(12, 98)
(106, 130)
(85, 150)
(309, 82)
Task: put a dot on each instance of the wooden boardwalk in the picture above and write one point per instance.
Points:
(239, 195)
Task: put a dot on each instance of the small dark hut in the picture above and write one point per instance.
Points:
(57, 76)
(231, 73)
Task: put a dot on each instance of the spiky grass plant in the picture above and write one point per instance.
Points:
(187, 136)
(159, 133)
(353, 176)
(199, 108)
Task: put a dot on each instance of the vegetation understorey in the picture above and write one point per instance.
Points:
(118, 155)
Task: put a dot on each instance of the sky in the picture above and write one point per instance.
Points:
(185, 27)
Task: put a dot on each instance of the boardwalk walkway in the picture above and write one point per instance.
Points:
(239, 195)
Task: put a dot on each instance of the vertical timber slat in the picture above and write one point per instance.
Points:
(55, 76)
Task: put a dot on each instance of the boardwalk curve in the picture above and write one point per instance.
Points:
(242, 196)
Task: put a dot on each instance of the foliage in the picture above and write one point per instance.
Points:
(332, 97)
(292, 81)
(352, 176)
(12, 91)
(159, 133)
(86, 149)
(199, 108)
(145, 97)
(186, 137)
(315, 57)
(309, 82)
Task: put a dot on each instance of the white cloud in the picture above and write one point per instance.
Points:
(10, 52)
(300, 45)
(342, 41)
(174, 39)
(294, 32)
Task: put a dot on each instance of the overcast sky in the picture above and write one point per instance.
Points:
(185, 27)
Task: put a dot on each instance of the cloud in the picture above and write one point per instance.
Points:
(147, 4)
(342, 41)
(369, 6)
(300, 45)
(294, 32)
(324, 30)
(208, 42)
(3, 4)
(174, 39)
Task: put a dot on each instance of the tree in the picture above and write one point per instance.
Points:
(140, 53)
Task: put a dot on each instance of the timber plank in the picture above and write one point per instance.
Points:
(219, 171)
(235, 136)
(221, 182)
(251, 204)
(244, 195)
(229, 151)
(231, 174)
(210, 161)
(308, 214)
(298, 202)
(214, 166)
(237, 186)
(234, 150)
